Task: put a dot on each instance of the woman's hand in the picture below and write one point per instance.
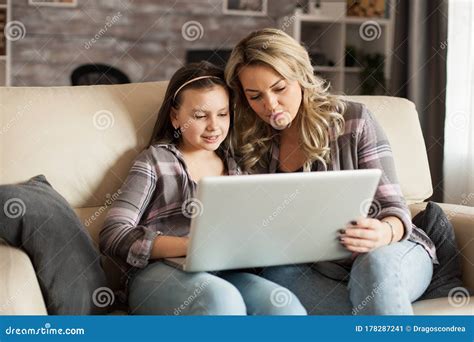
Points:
(365, 235)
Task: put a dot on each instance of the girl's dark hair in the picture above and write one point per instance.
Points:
(164, 132)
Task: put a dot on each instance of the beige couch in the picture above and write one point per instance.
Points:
(85, 138)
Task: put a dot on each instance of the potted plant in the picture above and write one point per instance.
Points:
(372, 77)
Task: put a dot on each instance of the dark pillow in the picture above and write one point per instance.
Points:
(39, 220)
(446, 275)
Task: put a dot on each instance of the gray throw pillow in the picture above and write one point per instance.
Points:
(37, 219)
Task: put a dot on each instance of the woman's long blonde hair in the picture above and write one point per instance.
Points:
(319, 113)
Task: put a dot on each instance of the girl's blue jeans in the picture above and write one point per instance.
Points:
(160, 289)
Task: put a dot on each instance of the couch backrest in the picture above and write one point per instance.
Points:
(400, 122)
(84, 139)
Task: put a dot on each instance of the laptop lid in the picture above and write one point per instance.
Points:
(275, 219)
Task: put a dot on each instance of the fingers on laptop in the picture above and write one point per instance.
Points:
(360, 235)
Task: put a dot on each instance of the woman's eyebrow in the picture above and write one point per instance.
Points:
(274, 84)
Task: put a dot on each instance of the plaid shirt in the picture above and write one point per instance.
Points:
(363, 145)
(150, 204)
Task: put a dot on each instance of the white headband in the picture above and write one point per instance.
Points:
(190, 81)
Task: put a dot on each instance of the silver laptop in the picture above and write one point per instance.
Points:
(274, 219)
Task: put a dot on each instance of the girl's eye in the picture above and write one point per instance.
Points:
(223, 114)
(255, 97)
(281, 89)
(199, 117)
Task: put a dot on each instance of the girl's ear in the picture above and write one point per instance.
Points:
(174, 118)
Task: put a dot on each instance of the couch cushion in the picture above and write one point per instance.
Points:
(93, 219)
(82, 138)
(20, 293)
(445, 306)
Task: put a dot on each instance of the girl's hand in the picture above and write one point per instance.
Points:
(365, 235)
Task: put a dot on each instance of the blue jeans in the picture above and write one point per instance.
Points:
(160, 289)
(383, 282)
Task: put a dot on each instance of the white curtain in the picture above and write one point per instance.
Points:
(459, 128)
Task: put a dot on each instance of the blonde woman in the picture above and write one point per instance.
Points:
(286, 121)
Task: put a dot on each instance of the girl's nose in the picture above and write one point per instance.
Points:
(212, 124)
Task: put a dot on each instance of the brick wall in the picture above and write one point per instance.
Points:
(143, 38)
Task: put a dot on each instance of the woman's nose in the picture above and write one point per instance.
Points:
(271, 102)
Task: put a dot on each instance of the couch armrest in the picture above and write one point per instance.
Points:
(462, 219)
(20, 293)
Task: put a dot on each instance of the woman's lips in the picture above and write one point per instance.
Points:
(280, 120)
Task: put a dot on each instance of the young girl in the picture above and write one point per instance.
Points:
(149, 221)
(288, 122)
